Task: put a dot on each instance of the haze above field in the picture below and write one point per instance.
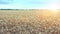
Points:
(29, 4)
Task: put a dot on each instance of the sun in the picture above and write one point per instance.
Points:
(54, 6)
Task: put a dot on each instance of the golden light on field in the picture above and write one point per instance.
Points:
(46, 13)
(54, 10)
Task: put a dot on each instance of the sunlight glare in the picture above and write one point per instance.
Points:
(54, 6)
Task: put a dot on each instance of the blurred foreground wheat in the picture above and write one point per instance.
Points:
(28, 22)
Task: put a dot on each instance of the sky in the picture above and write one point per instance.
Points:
(29, 4)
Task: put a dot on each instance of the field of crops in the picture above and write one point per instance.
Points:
(29, 22)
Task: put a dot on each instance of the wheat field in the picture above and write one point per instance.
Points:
(29, 22)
